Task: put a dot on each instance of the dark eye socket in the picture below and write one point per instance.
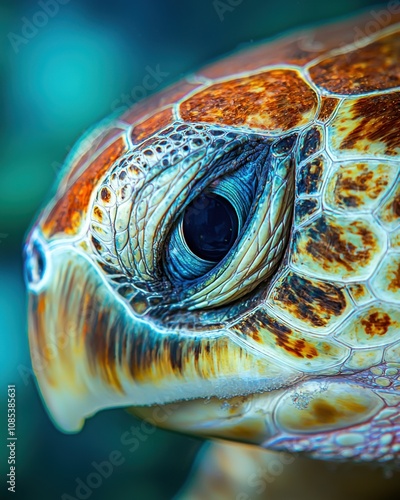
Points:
(210, 226)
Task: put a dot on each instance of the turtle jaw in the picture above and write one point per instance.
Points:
(326, 418)
(90, 352)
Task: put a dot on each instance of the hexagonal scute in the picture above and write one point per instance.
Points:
(310, 304)
(338, 248)
(326, 406)
(376, 325)
(305, 208)
(310, 142)
(366, 126)
(362, 359)
(255, 101)
(278, 339)
(359, 186)
(311, 175)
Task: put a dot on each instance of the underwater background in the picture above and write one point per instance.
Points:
(57, 78)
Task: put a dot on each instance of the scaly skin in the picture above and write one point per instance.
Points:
(292, 340)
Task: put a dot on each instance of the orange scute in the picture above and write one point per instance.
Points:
(68, 211)
(276, 100)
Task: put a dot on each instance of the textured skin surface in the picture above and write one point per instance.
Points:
(292, 341)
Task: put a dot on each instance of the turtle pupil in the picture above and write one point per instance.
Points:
(210, 226)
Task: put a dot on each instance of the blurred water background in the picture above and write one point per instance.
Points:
(56, 80)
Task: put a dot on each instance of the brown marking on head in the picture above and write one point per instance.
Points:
(351, 186)
(101, 348)
(314, 302)
(155, 357)
(358, 291)
(67, 213)
(364, 69)
(255, 335)
(310, 143)
(325, 413)
(151, 125)
(310, 176)
(327, 243)
(166, 97)
(328, 107)
(378, 119)
(352, 406)
(389, 212)
(366, 236)
(96, 243)
(105, 195)
(249, 327)
(396, 206)
(377, 323)
(275, 100)
(394, 284)
(298, 347)
(144, 355)
(305, 208)
(98, 214)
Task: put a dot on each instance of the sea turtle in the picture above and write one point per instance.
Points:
(224, 257)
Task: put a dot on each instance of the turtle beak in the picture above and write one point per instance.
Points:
(90, 352)
(63, 299)
(75, 324)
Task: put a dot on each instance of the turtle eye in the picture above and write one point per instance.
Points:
(210, 226)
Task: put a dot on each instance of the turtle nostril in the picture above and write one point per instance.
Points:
(35, 261)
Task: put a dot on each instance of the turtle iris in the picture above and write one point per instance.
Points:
(210, 226)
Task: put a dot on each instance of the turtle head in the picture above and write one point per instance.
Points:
(223, 259)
